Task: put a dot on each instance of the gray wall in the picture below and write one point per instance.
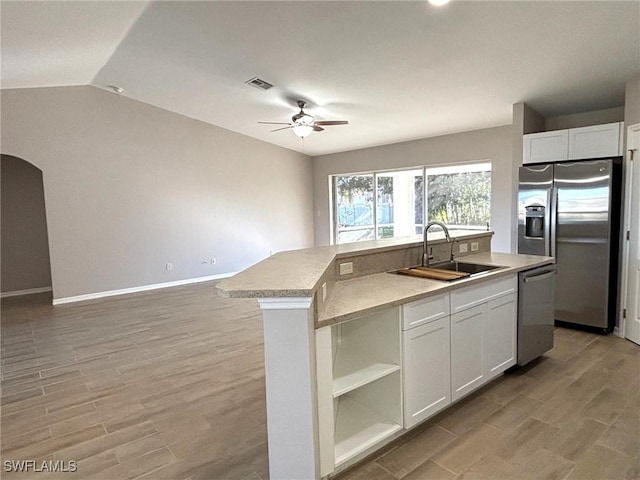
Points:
(130, 187)
(25, 249)
(586, 119)
(489, 144)
(632, 102)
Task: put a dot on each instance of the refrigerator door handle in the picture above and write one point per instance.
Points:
(553, 214)
(547, 225)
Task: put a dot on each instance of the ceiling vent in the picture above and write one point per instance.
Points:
(258, 83)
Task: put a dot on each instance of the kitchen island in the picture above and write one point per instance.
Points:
(346, 342)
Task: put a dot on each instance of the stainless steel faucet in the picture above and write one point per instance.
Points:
(425, 247)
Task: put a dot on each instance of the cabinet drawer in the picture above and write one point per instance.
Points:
(473, 295)
(425, 311)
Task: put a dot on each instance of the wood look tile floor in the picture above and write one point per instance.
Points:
(572, 414)
(170, 385)
(164, 384)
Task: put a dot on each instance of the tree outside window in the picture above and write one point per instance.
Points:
(460, 200)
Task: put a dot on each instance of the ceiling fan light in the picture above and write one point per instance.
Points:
(302, 130)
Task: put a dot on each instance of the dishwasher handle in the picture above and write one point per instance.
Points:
(540, 276)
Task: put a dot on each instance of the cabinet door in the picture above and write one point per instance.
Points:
(500, 335)
(545, 146)
(467, 350)
(594, 142)
(426, 371)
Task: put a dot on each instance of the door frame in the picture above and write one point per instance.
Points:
(631, 130)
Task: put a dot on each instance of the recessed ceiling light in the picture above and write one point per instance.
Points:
(116, 88)
(438, 3)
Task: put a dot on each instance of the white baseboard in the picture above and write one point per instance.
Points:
(29, 291)
(616, 331)
(142, 288)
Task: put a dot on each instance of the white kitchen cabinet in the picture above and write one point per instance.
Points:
(467, 350)
(573, 144)
(500, 335)
(546, 147)
(468, 297)
(423, 311)
(596, 141)
(426, 358)
(393, 369)
(483, 333)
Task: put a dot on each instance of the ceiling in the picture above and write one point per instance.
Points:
(396, 71)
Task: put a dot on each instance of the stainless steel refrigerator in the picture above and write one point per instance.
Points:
(571, 211)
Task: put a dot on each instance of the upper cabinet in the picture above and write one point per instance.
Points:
(597, 141)
(573, 144)
(546, 146)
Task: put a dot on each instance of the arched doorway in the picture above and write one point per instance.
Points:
(25, 264)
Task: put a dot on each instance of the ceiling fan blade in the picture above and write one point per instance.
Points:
(331, 122)
(276, 123)
(316, 128)
(283, 128)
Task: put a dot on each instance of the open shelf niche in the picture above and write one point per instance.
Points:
(366, 382)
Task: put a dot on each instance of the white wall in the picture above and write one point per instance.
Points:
(489, 144)
(130, 187)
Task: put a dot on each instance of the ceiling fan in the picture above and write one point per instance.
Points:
(303, 123)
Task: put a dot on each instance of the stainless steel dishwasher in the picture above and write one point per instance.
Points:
(535, 312)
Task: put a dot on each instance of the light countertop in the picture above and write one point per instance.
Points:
(360, 296)
(296, 273)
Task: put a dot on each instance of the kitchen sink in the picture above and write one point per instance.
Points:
(471, 268)
(447, 271)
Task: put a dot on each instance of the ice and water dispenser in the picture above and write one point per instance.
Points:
(534, 221)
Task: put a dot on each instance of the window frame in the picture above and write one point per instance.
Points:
(334, 230)
(447, 168)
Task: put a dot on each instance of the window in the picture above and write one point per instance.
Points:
(354, 208)
(460, 196)
(456, 195)
(394, 206)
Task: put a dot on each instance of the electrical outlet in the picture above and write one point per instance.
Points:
(169, 266)
(463, 248)
(213, 261)
(346, 268)
(475, 246)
